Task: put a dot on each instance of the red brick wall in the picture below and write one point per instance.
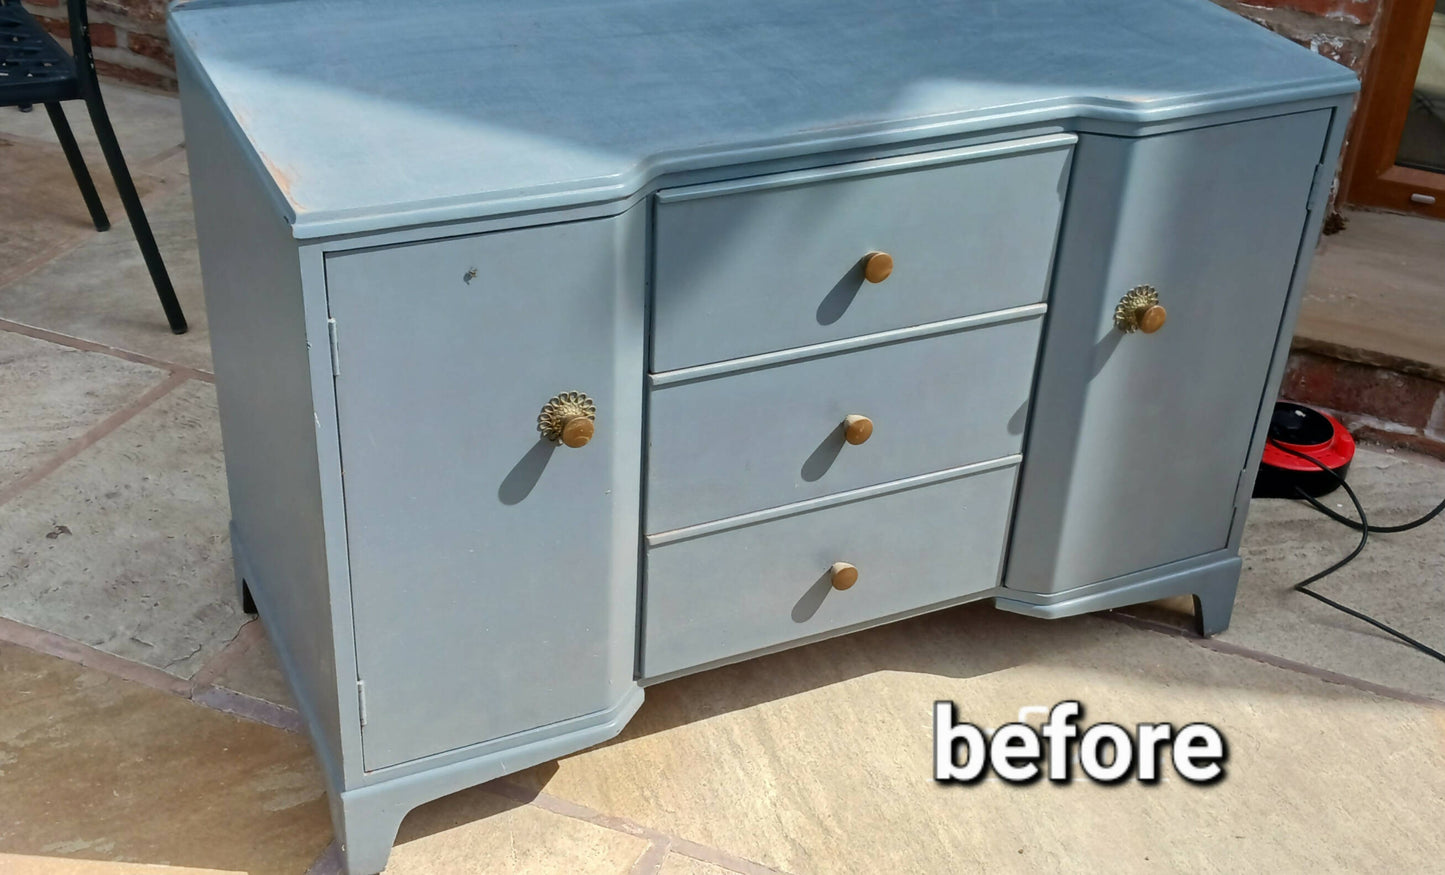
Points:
(1342, 30)
(130, 35)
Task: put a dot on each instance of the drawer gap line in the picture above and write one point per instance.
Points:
(687, 533)
(834, 347)
(873, 167)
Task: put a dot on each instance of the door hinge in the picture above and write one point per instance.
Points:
(361, 700)
(335, 353)
(1238, 484)
(1315, 183)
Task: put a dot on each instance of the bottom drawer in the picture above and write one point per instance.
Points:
(767, 583)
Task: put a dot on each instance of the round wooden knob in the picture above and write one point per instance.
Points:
(843, 575)
(1151, 319)
(877, 267)
(857, 429)
(577, 431)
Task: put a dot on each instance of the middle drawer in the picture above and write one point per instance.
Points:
(725, 444)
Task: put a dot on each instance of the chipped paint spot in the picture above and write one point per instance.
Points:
(282, 178)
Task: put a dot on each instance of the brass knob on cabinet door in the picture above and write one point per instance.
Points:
(1139, 310)
(857, 429)
(877, 267)
(569, 418)
(843, 575)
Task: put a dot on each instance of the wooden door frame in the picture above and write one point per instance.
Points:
(1371, 177)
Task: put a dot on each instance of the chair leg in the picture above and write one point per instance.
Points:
(128, 196)
(77, 166)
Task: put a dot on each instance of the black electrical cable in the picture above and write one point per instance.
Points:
(1364, 528)
(1379, 530)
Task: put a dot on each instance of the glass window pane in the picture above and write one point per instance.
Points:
(1423, 143)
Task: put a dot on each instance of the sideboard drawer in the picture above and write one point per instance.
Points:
(774, 262)
(731, 443)
(755, 586)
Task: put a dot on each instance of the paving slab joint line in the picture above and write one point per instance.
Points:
(48, 141)
(722, 859)
(329, 863)
(162, 157)
(1270, 659)
(84, 345)
(240, 644)
(239, 705)
(59, 247)
(557, 805)
(250, 708)
(83, 234)
(91, 437)
(651, 860)
(207, 695)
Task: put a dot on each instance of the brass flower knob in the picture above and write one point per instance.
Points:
(570, 418)
(857, 429)
(843, 575)
(1139, 310)
(877, 267)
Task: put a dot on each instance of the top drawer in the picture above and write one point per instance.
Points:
(774, 262)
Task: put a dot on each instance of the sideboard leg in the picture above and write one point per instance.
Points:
(1214, 604)
(248, 604)
(366, 829)
(239, 569)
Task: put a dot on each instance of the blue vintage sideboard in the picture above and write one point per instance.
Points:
(565, 348)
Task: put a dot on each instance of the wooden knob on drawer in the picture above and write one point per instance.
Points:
(569, 418)
(877, 267)
(1139, 310)
(857, 429)
(843, 575)
(1152, 319)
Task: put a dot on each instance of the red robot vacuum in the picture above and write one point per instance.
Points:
(1312, 435)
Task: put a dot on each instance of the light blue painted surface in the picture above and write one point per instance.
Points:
(256, 308)
(367, 816)
(842, 345)
(369, 114)
(488, 566)
(1138, 442)
(808, 505)
(747, 441)
(350, 116)
(752, 587)
(1212, 584)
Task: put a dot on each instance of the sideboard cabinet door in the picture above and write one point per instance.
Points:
(493, 572)
(1138, 440)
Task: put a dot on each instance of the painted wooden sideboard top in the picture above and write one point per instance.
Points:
(372, 113)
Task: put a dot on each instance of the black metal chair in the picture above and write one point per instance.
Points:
(35, 69)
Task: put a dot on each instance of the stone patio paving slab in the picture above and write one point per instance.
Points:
(101, 291)
(1399, 579)
(820, 759)
(51, 395)
(100, 773)
(147, 124)
(478, 833)
(144, 571)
